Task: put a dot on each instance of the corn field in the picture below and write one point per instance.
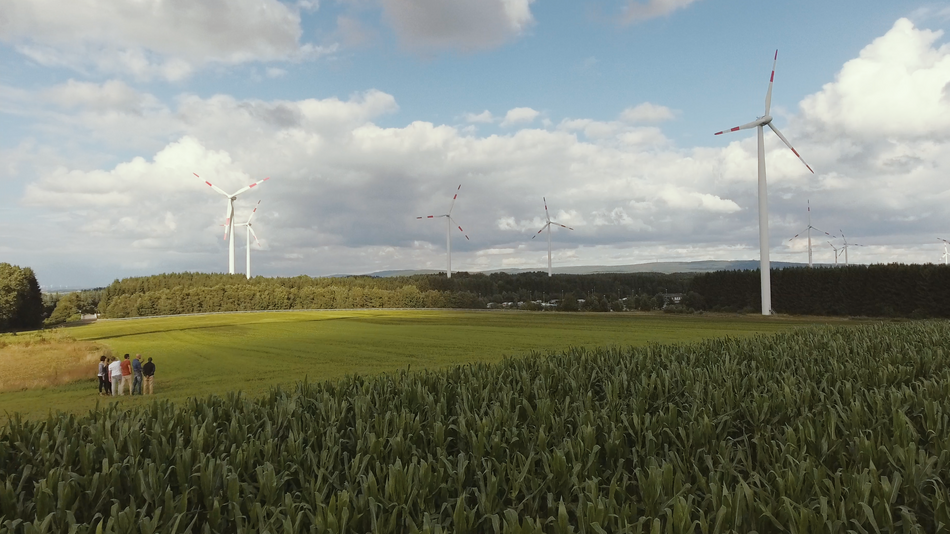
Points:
(832, 429)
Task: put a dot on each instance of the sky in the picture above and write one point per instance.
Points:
(365, 114)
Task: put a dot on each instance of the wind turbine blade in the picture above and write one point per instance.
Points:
(431, 216)
(789, 145)
(794, 237)
(541, 230)
(255, 236)
(452, 205)
(561, 225)
(457, 225)
(247, 188)
(546, 216)
(252, 213)
(227, 220)
(768, 95)
(746, 126)
(216, 188)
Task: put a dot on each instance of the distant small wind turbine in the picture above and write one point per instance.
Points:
(548, 227)
(228, 220)
(808, 230)
(946, 253)
(448, 232)
(759, 124)
(836, 252)
(846, 245)
(250, 232)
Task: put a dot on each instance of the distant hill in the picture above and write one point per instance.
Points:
(666, 267)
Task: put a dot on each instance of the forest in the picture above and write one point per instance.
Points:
(893, 290)
(177, 293)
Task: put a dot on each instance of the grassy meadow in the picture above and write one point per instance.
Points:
(251, 352)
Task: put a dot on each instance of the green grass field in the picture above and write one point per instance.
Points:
(251, 352)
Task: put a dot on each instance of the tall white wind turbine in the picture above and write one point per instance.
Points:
(229, 219)
(759, 124)
(548, 228)
(250, 232)
(808, 232)
(946, 253)
(449, 222)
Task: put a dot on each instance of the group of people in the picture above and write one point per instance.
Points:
(114, 374)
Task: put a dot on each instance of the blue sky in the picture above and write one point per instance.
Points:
(366, 113)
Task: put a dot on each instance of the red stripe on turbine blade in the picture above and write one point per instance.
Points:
(809, 168)
(196, 174)
(430, 217)
(772, 79)
(207, 182)
(460, 229)
(252, 185)
(719, 133)
(265, 179)
(776, 56)
(736, 129)
(456, 196)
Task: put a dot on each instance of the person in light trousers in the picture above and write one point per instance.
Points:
(149, 371)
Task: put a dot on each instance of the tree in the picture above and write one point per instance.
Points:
(568, 303)
(21, 301)
(69, 308)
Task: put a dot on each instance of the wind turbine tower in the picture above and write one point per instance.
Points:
(250, 232)
(449, 222)
(759, 124)
(548, 228)
(229, 219)
(808, 232)
(946, 253)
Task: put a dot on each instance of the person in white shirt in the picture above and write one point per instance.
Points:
(115, 369)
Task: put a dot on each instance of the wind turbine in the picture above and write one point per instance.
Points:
(548, 227)
(836, 252)
(229, 221)
(759, 124)
(846, 245)
(250, 232)
(808, 231)
(946, 253)
(449, 221)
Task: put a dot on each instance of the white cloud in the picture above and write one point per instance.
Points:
(899, 85)
(154, 38)
(519, 116)
(483, 117)
(345, 190)
(638, 10)
(459, 24)
(647, 112)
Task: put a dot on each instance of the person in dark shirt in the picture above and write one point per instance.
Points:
(149, 371)
(137, 374)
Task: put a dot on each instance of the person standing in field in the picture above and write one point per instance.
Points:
(115, 373)
(149, 371)
(137, 374)
(103, 381)
(126, 375)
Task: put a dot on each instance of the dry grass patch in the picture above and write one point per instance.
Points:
(47, 358)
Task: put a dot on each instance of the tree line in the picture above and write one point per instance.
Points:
(892, 290)
(178, 293)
